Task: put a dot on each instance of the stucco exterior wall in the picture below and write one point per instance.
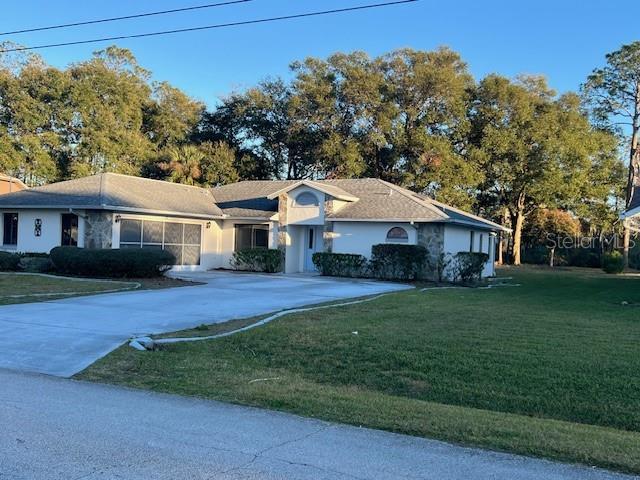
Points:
(359, 237)
(297, 215)
(50, 233)
(458, 239)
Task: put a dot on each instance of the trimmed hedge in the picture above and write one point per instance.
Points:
(112, 263)
(36, 264)
(468, 266)
(340, 264)
(9, 262)
(390, 261)
(613, 262)
(258, 260)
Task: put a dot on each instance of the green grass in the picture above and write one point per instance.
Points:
(25, 288)
(547, 369)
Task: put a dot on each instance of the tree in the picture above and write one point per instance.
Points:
(535, 150)
(613, 93)
(218, 163)
(183, 164)
(549, 226)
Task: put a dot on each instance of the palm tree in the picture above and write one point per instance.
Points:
(184, 164)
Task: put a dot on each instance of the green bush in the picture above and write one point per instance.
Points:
(258, 260)
(613, 262)
(468, 266)
(340, 264)
(391, 261)
(9, 261)
(112, 263)
(36, 264)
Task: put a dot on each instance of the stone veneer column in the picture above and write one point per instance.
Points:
(431, 236)
(98, 227)
(282, 223)
(327, 233)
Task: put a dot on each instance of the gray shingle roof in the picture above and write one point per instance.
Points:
(249, 198)
(112, 191)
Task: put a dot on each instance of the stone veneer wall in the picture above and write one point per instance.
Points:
(431, 236)
(282, 222)
(98, 227)
(327, 233)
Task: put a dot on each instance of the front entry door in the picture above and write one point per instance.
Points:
(311, 247)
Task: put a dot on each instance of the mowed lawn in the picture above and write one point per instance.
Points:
(550, 368)
(27, 287)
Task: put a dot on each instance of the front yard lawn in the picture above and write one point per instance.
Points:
(550, 368)
(26, 287)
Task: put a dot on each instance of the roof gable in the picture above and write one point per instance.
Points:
(321, 186)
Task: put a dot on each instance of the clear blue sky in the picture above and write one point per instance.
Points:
(562, 39)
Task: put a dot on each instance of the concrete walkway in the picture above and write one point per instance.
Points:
(62, 337)
(63, 429)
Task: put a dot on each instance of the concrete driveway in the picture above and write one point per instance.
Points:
(62, 337)
(54, 429)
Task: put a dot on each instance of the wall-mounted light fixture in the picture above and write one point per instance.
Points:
(118, 218)
(208, 225)
(37, 227)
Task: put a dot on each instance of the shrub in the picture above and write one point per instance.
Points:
(585, 257)
(468, 266)
(36, 264)
(9, 261)
(340, 264)
(613, 262)
(112, 263)
(258, 260)
(398, 262)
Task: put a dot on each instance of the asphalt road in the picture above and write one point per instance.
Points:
(52, 428)
(63, 337)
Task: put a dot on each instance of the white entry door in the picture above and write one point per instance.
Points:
(311, 247)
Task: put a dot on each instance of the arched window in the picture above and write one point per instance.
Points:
(397, 235)
(306, 199)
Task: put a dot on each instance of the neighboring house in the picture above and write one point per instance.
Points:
(10, 184)
(203, 227)
(632, 215)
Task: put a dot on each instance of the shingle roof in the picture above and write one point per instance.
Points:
(112, 191)
(376, 200)
(249, 198)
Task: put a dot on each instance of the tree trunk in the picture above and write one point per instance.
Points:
(517, 236)
(626, 241)
(553, 251)
(500, 260)
(503, 244)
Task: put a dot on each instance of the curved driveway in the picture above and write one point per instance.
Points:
(62, 337)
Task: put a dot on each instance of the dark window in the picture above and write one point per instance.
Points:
(397, 234)
(252, 236)
(181, 239)
(130, 231)
(481, 242)
(306, 199)
(311, 239)
(471, 240)
(69, 230)
(10, 230)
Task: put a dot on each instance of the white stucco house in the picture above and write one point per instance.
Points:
(203, 227)
(632, 215)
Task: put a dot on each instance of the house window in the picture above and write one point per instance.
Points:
(472, 238)
(306, 199)
(69, 230)
(481, 243)
(10, 230)
(251, 236)
(397, 235)
(181, 239)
